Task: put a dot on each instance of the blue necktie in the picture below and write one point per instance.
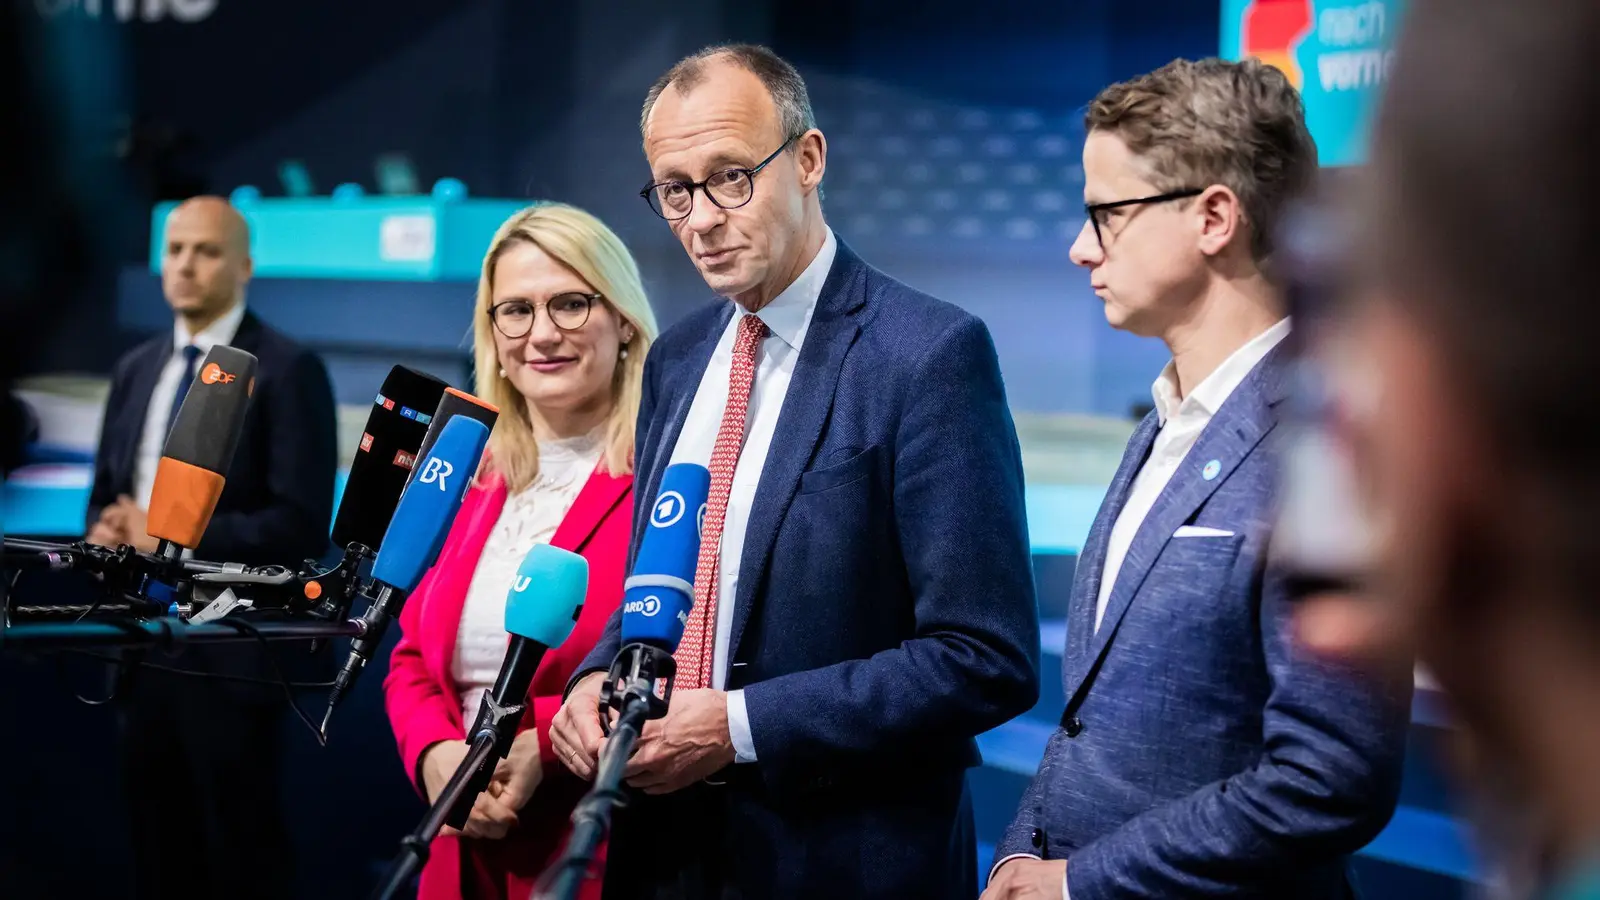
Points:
(191, 355)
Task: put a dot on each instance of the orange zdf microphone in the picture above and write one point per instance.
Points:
(199, 449)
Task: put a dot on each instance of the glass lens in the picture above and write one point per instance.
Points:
(672, 199)
(514, 318)
(569, 311)
(730, 188)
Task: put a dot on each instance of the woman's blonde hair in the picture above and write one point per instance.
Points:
(585, 245)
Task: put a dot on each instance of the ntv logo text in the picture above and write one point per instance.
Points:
(182, 11)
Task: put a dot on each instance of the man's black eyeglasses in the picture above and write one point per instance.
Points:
(728, 189)
(1094, 210)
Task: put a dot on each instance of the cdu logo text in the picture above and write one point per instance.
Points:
(436, 469)
(648, 606)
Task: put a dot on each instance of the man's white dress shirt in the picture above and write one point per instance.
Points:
(1181, 422)
(787, 318)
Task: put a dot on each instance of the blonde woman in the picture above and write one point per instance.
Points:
(560, 332)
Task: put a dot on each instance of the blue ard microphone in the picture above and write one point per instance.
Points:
(656, 601)
(658, 596)
(414, 537)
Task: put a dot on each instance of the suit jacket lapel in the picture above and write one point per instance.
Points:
(599, 495)
(673, 400)
(1092, 561)
(1244, 419)
(800, 424)
(248, 336)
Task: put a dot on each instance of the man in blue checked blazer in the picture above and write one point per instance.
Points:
(1200, 754)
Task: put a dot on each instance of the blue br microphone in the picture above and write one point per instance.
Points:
(414, 537)
(658, 596)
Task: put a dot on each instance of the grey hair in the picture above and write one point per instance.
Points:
(782, 81)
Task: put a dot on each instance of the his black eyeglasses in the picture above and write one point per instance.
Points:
(728, 189)
(569, 312)
(1094, 210)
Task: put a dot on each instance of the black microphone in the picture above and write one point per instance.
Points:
(457, 403)
(414, 538)
(390, 445)
(199, 450)
(545, 601)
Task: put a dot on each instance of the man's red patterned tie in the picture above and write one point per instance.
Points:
(698, 645)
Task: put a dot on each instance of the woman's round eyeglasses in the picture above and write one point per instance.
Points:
(569, 312)
(728, 189)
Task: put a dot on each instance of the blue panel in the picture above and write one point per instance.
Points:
(50, 502)
(372, 316)
(419, 238)
(1059, 515)
(1425, 840)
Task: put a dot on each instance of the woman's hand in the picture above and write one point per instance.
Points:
(518, 775)
(515, 779)
(439, 762)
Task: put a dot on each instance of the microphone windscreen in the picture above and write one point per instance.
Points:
(422, 519)
(199, 449)
(384, 459)
(657, 597)
(458, 403)
(547, 595)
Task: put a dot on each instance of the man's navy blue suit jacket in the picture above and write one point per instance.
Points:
(277, 505)
(885, 611)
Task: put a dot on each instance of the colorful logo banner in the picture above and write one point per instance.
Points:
(1337, 52)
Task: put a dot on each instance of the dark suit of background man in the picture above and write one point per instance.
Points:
(200, 759)
(864, 602)
(1199, 754)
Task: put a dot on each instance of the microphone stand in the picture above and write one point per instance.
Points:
(162, 632)
(414, 846)
(640, 670)
(496, 731)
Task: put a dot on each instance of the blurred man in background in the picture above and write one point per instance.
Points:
(1460, 371)
(1199, 754)
(200, 757)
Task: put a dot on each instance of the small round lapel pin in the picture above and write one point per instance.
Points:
(1212, 470)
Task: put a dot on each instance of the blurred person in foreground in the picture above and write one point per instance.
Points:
(1468, 336)
(864, 600)
(201, 757)
(560, 332)
(1200, 754)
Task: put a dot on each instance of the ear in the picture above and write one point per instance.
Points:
(1222, 219)
(247, 269)
(811, 154)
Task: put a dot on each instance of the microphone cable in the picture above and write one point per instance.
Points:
(124, 666)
